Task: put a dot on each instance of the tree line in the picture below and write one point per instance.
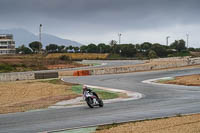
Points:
(145, 49)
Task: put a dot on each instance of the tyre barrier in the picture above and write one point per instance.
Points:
(81, 73)
(46, 75)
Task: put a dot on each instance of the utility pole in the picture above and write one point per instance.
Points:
(187, 35)
(167, 40)
(40, 33)
(119, 37)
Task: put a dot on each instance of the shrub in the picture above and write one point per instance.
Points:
(6, 68)
(64, 58)
(152, 54)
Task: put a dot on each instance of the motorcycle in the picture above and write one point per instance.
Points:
(92, 99)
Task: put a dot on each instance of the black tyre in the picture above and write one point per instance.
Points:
(100, 103)
(89, 101)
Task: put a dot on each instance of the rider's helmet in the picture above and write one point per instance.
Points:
(84, 87)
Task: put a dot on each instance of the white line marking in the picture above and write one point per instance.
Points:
(152, 81)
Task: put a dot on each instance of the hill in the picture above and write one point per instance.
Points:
(22, 36)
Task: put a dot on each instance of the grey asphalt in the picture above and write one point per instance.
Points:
(159, 101)
(108, 63)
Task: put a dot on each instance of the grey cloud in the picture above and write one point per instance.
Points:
(102, 16)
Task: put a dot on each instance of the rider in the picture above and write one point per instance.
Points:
(85, 88)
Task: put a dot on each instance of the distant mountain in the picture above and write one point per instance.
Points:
(22, 36)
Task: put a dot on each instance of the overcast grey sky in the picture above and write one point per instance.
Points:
(97, 21)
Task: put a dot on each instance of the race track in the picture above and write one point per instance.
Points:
(159, 101)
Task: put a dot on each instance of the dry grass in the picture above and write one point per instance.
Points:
(34, 62)
(21, 96)
(196, 54)
(189, 80)
(184, 124)
(61, 66)
(79, 56)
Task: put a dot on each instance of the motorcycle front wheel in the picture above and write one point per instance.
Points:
(100, 103)
(89, 102)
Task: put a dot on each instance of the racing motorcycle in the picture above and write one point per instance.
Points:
(92, 98)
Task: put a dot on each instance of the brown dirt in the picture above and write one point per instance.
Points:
(35, 62)
(80, 56)
(22, 96)
(183, 124)
(188, 80)
(61, 66)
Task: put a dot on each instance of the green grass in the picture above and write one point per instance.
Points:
(95, 64)
(55, 81)
(80, 130)
(52, 81)
(101, 93)
(78, 89)
(14, 68)
(164, 80)
(6, 68)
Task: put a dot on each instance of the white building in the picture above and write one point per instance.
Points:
(7, 45)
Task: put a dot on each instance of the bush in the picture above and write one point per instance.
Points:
(6, 68)
(170, 55)
(152, 54)
(64, 58)
(128, 50)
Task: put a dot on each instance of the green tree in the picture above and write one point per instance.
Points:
(76, 49)
(23, 50)
(61, 48)
(92, 48)
(152, 54)
(103, 48)
(138, 47)
(160, 50)
(146, 46)
(70, 47)
(113, 45)
(52, 48)
(179, 45)
(83, 49)
(128, 50)
(35, 46)
(107, 49)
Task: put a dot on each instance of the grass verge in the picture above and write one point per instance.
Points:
(164, 80)
(101, 93)
(188, 80)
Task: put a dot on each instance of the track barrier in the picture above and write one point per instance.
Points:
(81, 73)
